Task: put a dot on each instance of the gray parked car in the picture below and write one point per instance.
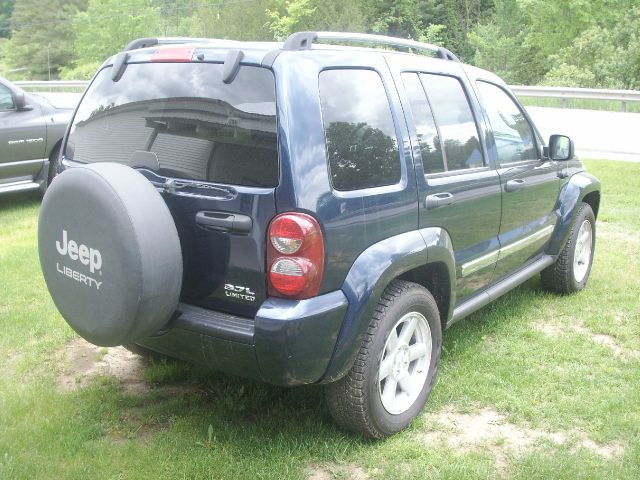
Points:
(31, 131)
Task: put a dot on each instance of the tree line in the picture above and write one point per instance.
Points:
(579, 43)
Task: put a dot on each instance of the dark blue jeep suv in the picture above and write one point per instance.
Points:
(306, 212)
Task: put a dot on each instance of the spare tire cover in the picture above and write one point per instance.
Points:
(110, 253)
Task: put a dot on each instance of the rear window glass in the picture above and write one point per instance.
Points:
(359, 130)
(180, 120)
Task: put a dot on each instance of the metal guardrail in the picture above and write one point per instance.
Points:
(53, 85)
(564, 93)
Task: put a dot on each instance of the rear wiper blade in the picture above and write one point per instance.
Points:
(231, 65)
(119, 66)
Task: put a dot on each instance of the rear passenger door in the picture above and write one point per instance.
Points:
(530, 183)
(459, 190)
(351, 164)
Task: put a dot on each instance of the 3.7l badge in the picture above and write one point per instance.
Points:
(239, 292)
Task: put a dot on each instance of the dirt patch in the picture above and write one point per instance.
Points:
(85, 361)
(547, 329)
(319, 473)
(488, 429)
(357, 473)
(12, 359)
(334, 471)
(599, 338)
(608, 342)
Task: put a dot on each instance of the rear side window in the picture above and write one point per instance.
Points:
(361, 141)
(457, 126)
(180, 120)
(428, 136)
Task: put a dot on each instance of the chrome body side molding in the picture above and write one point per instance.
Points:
(492, 257)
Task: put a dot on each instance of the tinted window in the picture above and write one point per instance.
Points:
(181, 120)
(455, 120)
(6, 100)
(512, 133)
(430, 147)
(359, 130)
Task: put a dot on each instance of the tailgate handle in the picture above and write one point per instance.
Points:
(226, 222)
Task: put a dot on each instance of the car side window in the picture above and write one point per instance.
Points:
(455, 121)
(6, 99)
(514, 137)
(361, 142)
(426, 129)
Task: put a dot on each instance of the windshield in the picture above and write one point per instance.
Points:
(180, 120)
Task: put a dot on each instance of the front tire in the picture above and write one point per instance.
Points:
(396, 366)
(570, 272)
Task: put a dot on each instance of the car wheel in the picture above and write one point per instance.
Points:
(571, 269)
(396, 366)
(110, 253)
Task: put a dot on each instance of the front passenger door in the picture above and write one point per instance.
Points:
(22, 137)
(530, 183)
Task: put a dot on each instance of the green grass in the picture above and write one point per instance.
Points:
(198, 424)
(608, 105)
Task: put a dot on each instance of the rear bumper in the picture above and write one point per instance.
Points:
(289, 342)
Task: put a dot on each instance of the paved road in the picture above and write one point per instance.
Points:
(596, 134)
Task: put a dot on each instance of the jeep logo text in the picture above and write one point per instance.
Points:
(87, 256)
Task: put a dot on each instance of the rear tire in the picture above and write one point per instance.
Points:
(395, 368)
(570, 272)
(54, 164)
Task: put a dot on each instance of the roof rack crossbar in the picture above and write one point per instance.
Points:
(152, 42)
(304, 40)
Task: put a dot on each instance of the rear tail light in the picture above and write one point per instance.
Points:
(287, 233)
(295, 256)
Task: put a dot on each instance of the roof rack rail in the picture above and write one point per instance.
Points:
(151, 42)
(304, 41)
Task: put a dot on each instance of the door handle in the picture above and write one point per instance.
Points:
(438, 200)
(513, 185)
(226, 222)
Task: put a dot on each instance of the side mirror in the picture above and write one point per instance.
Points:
(560, 147)
(20, 102)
